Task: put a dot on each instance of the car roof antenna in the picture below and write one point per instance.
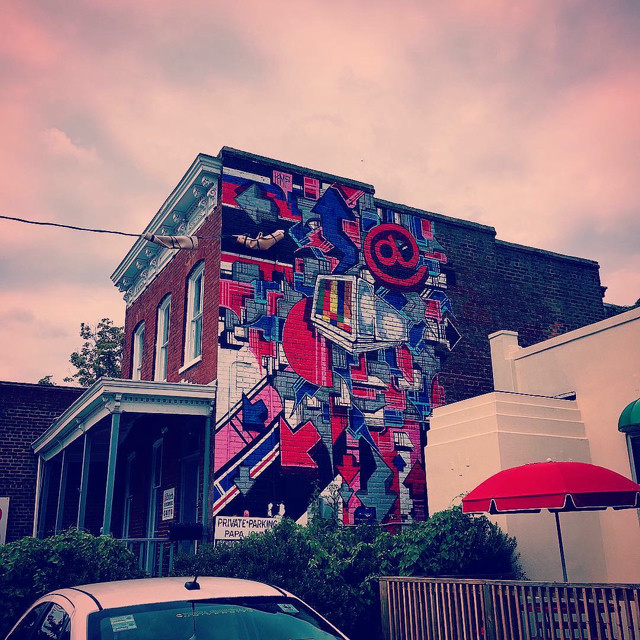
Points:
(192, 585)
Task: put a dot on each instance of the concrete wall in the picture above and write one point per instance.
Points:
(471, 440)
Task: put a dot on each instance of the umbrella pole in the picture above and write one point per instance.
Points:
(564, 564)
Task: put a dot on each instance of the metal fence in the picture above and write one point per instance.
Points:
(448, 609)
(155, 555)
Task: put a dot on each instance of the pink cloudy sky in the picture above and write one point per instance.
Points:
(520, 115)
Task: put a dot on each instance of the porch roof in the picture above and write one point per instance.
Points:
(111, 395)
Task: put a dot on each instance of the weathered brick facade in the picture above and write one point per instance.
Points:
(26, 411)
(333, 322)
(172, 280)
(496, 285)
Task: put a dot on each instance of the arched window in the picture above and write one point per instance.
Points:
(138, 348)
(162, 339)
(193, 327)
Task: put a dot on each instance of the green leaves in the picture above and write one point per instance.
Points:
(31, 567)
(100, 355)
(335, 568)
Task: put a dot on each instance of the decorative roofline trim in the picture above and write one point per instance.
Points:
(110, 395)
(183, 212)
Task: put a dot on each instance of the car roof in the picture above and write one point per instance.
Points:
(132, 592)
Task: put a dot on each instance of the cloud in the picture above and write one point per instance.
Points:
(522, 116)
(59, 145)
(38, 333)
(624, 281)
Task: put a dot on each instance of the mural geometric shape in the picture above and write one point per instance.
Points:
(393, 256)
(295, 445)
(307, 352)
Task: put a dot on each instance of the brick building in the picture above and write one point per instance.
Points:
(26, 411)
(325, 323)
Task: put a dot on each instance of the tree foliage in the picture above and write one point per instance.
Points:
(100, 355)
(31, 567)
(336, 568)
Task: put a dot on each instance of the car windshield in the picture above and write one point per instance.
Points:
(227, 619)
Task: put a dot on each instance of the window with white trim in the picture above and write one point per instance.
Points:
(138, 348)
(162, 339)
(193, 329)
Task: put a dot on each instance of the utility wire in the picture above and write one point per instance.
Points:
(74, 228)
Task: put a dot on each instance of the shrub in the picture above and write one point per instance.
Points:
(31, 567)
(451, 543)
(335, 568)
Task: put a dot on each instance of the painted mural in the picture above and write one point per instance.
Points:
(334, 319)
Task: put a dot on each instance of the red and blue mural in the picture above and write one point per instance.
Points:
(334, 319)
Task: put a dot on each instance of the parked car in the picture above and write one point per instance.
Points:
(172, 609)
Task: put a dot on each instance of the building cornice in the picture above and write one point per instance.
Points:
(183, 212)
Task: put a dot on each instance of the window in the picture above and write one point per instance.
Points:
(154, 510)
(55, 625)
(138, 347)
(193, 329)
(154, 488)
(162, 339)
(276, 618)
(29, 622)
(128, 495)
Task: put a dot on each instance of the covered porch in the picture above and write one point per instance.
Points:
(130, 459)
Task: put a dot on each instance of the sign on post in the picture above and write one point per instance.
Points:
(236, 528)
(168, 504)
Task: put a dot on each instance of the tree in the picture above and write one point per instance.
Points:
(100, 355)
(46, 381)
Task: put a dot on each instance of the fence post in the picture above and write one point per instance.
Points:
(384, 608)
(489, 614)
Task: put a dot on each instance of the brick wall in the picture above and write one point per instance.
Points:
(495, 285)
(173, 280)
(337, 321)
(26, 411)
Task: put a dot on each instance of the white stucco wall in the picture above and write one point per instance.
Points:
(471, 440)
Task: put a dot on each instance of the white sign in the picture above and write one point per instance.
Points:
(235, 528)
(4, 516)
(168, 504)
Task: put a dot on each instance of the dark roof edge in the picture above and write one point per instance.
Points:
(435, 216)
(9, 383)
(551, 254)
(327, 177)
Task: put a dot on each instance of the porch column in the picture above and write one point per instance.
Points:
(84, 479)
(36, 509)
(111, 469)
(206, 471)
(44, 497)
(62, 490)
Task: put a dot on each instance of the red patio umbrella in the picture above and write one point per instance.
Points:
(557, 486)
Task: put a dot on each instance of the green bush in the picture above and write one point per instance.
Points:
(335, 568)
(31, 567)
(452, 543)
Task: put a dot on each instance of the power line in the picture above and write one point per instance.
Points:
(74, 228)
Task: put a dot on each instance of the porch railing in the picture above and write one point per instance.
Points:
(448, 609)
(155, 555)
